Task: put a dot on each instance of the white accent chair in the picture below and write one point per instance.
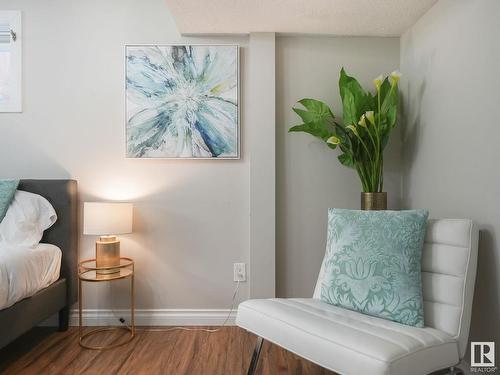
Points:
(351, 343)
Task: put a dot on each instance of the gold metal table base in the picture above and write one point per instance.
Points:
(89, 272)
(103, 329)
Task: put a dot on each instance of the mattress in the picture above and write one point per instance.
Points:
(25, 271)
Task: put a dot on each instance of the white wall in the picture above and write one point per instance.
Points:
(450, 60)
(191, 217)
(262, 165)
(309, 178)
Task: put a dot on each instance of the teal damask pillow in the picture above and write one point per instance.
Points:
(7, 190)
(373, 263)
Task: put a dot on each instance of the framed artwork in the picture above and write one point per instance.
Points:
(10, 61)
(182, 101)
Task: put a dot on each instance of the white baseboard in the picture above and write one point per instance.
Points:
(148, 317)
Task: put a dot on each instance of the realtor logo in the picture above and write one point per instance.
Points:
(482, 354)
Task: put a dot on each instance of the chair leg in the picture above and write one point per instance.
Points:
(255, 356)
(64, 318)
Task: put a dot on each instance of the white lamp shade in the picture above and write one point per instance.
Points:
(100, 218)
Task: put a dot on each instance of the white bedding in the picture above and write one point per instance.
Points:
(25, 271)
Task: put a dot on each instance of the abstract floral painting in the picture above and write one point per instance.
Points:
(182, 101)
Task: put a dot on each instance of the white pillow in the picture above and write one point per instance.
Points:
(26, 219)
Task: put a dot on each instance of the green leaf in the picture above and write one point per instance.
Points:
(317, 106)
(315, 116)
(355, 99)
(350, 113)
(316, 129)
(384, 89)
(332, 146)
(389, 106)
(347, 160)
(390, 99)
(392, 116)
(316, 110)
(306, 116)
(342, 135)
(347, 82)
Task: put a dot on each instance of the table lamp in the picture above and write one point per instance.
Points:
(107, 220)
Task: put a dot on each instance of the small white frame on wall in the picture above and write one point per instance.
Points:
(10, 61)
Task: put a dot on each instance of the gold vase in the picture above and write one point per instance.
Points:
(374, 201)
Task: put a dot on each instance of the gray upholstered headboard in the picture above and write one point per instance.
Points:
(62, 194)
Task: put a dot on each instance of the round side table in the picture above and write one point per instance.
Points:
(89, 272)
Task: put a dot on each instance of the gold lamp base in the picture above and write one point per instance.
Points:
(107, 254)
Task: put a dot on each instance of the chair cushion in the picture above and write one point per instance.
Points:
(346, 341)
(373, 263)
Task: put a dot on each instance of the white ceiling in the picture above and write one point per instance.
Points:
(334, 17)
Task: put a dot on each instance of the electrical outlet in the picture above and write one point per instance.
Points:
(239, 272)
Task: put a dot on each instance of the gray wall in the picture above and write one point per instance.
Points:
(450, 60)
(262, 165)
(191, 219)
(309, 179)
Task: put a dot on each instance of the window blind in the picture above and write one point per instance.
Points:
(5, 33)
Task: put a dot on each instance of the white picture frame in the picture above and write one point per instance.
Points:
(10, 61)
(128, 112)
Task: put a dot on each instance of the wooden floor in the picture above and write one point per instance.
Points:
(227, 352)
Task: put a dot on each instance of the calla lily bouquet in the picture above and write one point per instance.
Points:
(368, 119)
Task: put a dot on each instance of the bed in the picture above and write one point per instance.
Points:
(59, 244)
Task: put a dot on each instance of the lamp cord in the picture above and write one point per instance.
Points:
(209, 330)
